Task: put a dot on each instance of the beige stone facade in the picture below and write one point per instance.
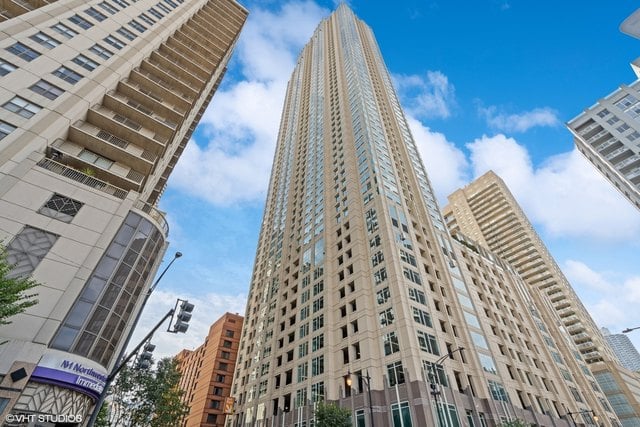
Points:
(359, 295)
(98, 100)
(486, 211)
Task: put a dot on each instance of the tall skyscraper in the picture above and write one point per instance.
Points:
(358, 294)
(207, 373)
(624, 350)
(608, 135)
(486, 211)
(98, 100)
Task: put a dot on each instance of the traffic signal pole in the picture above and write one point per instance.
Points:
(119, 367)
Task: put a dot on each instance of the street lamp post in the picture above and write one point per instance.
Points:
(626, 331)
(434, 386)
(367, 379)
(103, 395)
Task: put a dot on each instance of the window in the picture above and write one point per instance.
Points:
(24, 52)
(317, 365)
(137, 26)
(155, 13)
(487, 363)
(95, 14)
(6, 67)
(27, 249)
(402, 411)
(95, 159)
(114, 41)
(80, 22)
(395, 373)
(121, 3)
(479, 340)
(387, 317)
(67, 75)
(45, 40)
(383, 295)
(126, 33)
(435, 373)
(46, 89)
(317, 342)
(146, 18)
(417, 296)
(64, 30)
(163, 7)
(318, 304)
(228, 333)
(171, 3)
(412, 275)
(223, 366)
(428, 343)
(391, 344)
(22, 107)
(107, 7)
(101, 51)
(5, 129)
(318, 322)
(422, 317)
(85, 62)
(497, 391)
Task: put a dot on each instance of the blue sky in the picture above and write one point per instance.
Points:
(486, 84)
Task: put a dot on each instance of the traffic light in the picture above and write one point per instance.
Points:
(144, 360)
(183, 317)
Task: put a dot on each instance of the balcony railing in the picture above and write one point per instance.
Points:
(83, 178)
(154, 213)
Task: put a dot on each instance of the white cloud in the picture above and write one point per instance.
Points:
(611, 300)
(430, 97)
(566, 195)
(208, 308)
(446, 164)
(519, 122)
(579, 272)
(241, 123)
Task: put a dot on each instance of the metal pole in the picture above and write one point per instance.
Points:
(114, 372)
(370, 401)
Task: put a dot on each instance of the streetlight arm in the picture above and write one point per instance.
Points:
(626, 331)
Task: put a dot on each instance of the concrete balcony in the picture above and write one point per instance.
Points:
(581, 337)
(574, 329)
(111, 146)
(168, 79)
(619, 154)
(608, 143)
(107, 170)
(136, 92)
(112, 122)
(81, 177)
(177, 70)
(571, 320)
(630, 163)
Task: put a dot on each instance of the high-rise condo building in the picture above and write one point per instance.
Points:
(358, 294)
(98, 100)
(207, 373)
(487, 212)
(608, 135)
(624, 350)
